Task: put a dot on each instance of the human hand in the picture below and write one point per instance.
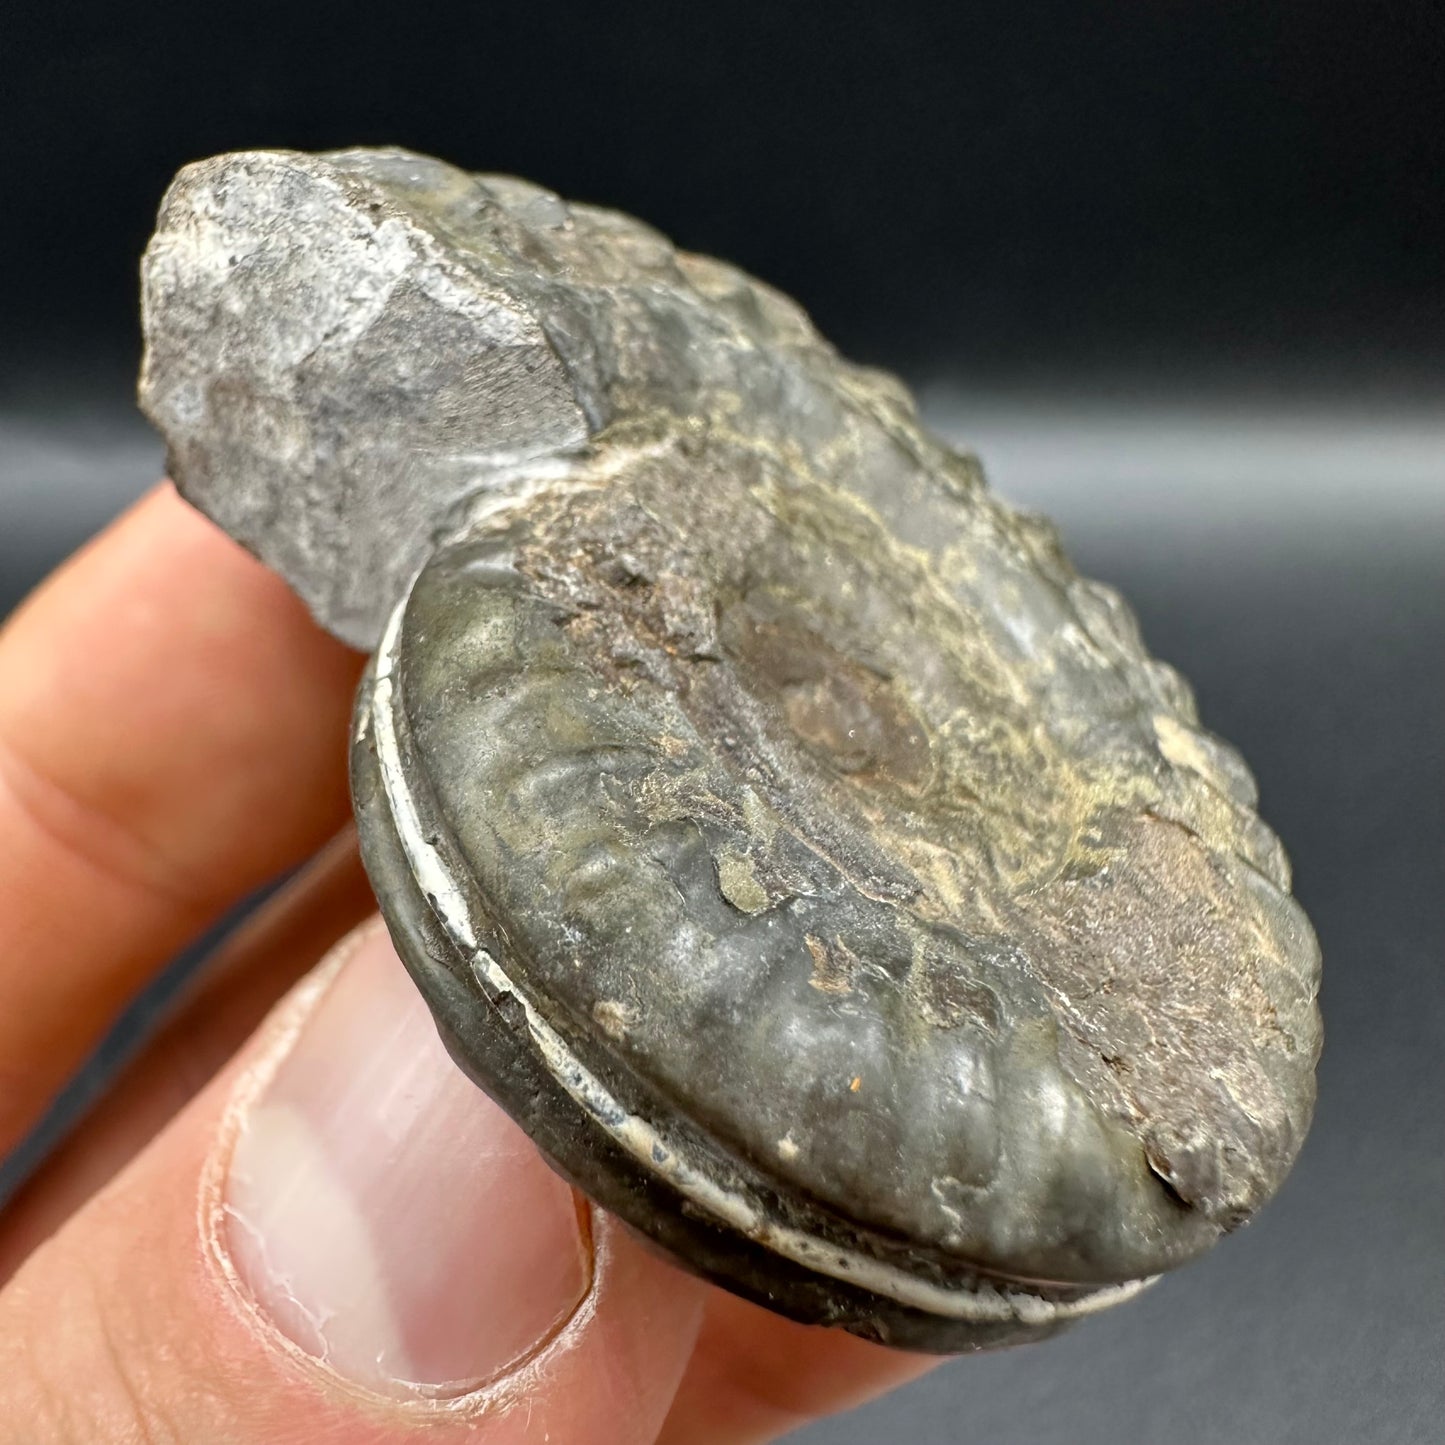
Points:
(299, 1222)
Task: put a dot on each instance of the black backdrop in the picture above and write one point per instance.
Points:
(1219, 224)
(995, 185)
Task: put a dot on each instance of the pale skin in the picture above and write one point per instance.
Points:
(173, 734)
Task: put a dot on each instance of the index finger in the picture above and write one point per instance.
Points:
(172, 734)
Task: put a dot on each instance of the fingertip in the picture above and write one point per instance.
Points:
(173, 734)
(202, 1333)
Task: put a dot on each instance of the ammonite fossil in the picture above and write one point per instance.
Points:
(818, 869)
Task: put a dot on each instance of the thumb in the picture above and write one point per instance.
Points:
(341, 1239)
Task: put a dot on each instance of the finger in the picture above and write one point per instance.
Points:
(231, 994)
(755, 1376)
(172, 734)
(378, 1255)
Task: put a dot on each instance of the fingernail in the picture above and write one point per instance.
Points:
(385, 1215)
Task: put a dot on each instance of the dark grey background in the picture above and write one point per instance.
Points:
(1177, 272)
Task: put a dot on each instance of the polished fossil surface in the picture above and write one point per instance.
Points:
(819, 868)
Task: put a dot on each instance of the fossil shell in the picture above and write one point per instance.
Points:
(815, 865)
